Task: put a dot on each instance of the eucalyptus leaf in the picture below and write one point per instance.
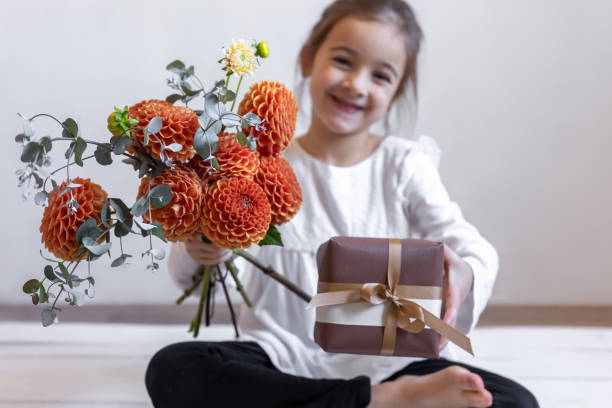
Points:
(105, 215)
(189, 71)
(49, 273)
(88, 229)
(176, 66)
(175, 147)
(220, 83)
(211, 104)
(173, 98)
(20, 138)
(241, 138)
(154, 125)
(204, 120)
(157, 253)
(91, 280)
(48, 317)
(41, 198)
(94, 247)
(79, 149)
(159, 231)
(160, 195)
(70, 150)
(216, 127)
(121, 144)
(120, 261)
(121, 230)
(142, 169)
(229, 96)
(42, 294)
(103, 155)
(141, 206)
(144, 226)
(215, 163)
(35, 299)
(90, 292)
(78, 298)
(54, 184)
(71, 129)
(230, 120)
(65, 273)
(121, 210)
(252, 119)
(205, 143)
(28, 128)
(186, 87)
(31, 286)
(46, 143)
(30, 151)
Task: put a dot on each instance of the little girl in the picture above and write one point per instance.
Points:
(360, 58)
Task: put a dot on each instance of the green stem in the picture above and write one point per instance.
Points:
(195, 324)
(268, 270)
(237, 89)
(227, 79)
(230, 266)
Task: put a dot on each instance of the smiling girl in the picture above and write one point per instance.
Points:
(359, 59)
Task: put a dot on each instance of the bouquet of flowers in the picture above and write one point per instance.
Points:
(208, 171)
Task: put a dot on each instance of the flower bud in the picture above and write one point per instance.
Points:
(262, 49)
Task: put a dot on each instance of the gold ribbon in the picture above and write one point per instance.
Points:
(401, 310)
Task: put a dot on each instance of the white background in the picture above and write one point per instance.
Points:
(516, 93)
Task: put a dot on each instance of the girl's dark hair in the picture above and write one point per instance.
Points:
(396, 12)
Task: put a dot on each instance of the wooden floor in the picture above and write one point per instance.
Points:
(103, 365)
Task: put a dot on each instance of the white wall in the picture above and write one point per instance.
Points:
(515, 92)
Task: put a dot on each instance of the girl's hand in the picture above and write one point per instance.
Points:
(457, 283)
(206, 254)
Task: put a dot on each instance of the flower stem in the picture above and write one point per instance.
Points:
(195, 324)
(229, 302)
(268, 270)
(230, 266)
(237, 89)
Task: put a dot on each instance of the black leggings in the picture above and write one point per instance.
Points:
(239, 373)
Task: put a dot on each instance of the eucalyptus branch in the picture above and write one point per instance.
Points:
(103, 145)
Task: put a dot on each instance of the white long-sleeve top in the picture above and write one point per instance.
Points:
(396, 192)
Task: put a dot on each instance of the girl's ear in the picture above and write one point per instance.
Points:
(305, 61)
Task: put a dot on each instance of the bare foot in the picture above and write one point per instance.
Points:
(453, 387)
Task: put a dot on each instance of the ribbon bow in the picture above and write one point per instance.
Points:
(402, 313)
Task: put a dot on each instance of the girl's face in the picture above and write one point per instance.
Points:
(355, 74)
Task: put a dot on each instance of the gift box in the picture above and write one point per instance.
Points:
(381, 297)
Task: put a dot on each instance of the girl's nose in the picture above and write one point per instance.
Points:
(355, 83)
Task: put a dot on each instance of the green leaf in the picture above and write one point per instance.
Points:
(88, 229)
(141, 206)
(31, 286)
(103, 155)
(173, 98)
(91, 280)
(160, 195)
(105, 215)
(121, 144)
(186, 87)
(94, 247)
(30, 151)
(159, 231)
(230, 120)
(121, 230)
(189, 71)
(154, 125)
(176, 66)
(65, 273)
(46, 143)
(205, 143)
(121, 211)
(215, 163)
(273, 237)
(252, 119)
(49, 273)
(205, 239)
(71, 129)
(81, 145)
(48, 317)
(42, 294)
(119, 261)
(241, 138)
(70, 151)
(211, 104)
(54, 184)
(28, 127)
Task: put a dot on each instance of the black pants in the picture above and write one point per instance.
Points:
(235, 374)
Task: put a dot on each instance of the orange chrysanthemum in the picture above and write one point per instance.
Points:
(234, 160)
(59, 224)
(235, 213)
(179, 126)
(180, 218)
(277, 106)
(277, 179)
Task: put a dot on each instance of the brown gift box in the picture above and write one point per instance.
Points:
(381, 297)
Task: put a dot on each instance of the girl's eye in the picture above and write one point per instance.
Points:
(341, 60)
(382, 77)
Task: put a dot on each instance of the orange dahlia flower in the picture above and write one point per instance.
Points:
(179, 126)
(59, 224)
(180, 218)
(234, 160)
(277, 179)
(277, 106)
(235, 213)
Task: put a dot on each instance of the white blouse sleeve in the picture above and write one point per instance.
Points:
(433, 216)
